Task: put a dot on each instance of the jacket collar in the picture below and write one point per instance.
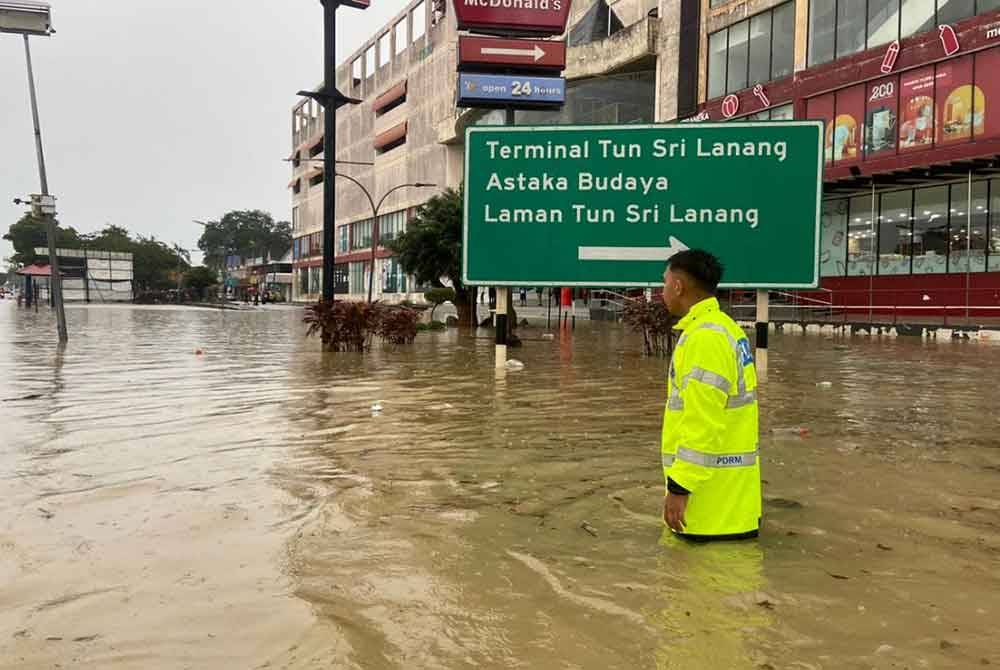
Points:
(698, 310)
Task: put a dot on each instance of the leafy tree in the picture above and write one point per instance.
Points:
(30, 233)
(246, 233)
(199, 278)
(431, 248)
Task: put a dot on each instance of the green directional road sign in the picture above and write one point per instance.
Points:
(608, 205)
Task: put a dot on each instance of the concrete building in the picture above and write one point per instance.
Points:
(408, 130)
(910, 96)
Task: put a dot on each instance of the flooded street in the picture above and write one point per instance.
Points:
(251, 507)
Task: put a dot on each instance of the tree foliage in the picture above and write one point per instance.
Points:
(199, 278)
(246, 233)
(431, 248)
(29, 233)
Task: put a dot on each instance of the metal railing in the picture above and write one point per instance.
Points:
(934, 307)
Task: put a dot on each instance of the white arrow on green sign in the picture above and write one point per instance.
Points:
(608, 205)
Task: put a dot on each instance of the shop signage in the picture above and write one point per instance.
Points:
(891, 55)
(528, 17)
(730, 106)
(524, 91)
(758, 91)
(607, 205)
(949, 40)
(523, 54)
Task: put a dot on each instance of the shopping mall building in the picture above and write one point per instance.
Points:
(909, 91)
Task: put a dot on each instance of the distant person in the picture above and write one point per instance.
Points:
(709, 440)
(524, 297)
(538, 290)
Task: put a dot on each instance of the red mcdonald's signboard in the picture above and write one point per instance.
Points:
(528, 17)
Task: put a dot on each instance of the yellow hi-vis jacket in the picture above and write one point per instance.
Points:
(710, 434)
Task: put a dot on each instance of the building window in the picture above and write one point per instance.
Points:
(303, 280)
(419, 16)
(384, 50)
(316, 149)
(894, 233)
(930, 230)
(401, 41)
(295, 219)
(370, 61)
(860, 237)
(393, 277)
(833, 253)
(357, 279)
(356, 72)
(315, 280)
(390, 226)
(839, 28)
(780, 113)
(753, 51)
(969, 222)
(993, 248)
(297, 159)
(297, 186)
(361, 234)
(316, 179)
(343, 239)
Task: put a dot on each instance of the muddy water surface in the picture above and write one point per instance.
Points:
(263, 505)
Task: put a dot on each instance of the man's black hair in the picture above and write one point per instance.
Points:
(701, 266)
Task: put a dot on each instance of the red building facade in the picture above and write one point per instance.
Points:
(911, 221)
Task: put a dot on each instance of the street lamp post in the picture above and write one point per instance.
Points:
(225, 259)
(375, 209)
(35, 18)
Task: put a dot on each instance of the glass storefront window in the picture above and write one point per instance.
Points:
(917, 16)
(951, 11)
(851, 27)
(833, 250)
(994, 243)
(315, 280)
(393, 277)
(739, 38)
(930, 230)
(760, 48)
(968, 252)
(357, 279)
(839, 28)
(883, 22)
(822, 30)
(860, 238)
(717, 64)
(755, 50)
(894, 233)
(783, 41)
(303, 280)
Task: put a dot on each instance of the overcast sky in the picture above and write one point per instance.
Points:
(157, 112)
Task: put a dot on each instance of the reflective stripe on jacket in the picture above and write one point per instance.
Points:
(710, 434)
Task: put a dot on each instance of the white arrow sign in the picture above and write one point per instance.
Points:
(632, 253)
(536, 52)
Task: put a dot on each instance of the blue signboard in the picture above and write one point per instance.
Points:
(492, 90)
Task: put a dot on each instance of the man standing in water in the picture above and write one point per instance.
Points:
(709, 446)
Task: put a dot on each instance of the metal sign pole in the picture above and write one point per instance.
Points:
(503, 292)
(55, 279)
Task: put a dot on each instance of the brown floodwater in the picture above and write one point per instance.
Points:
(263, 505)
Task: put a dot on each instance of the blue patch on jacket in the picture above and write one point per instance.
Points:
(746, 356)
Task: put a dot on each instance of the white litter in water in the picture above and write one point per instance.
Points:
(514, 364)
(377, 407)
(824, 385)
(548, 336)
